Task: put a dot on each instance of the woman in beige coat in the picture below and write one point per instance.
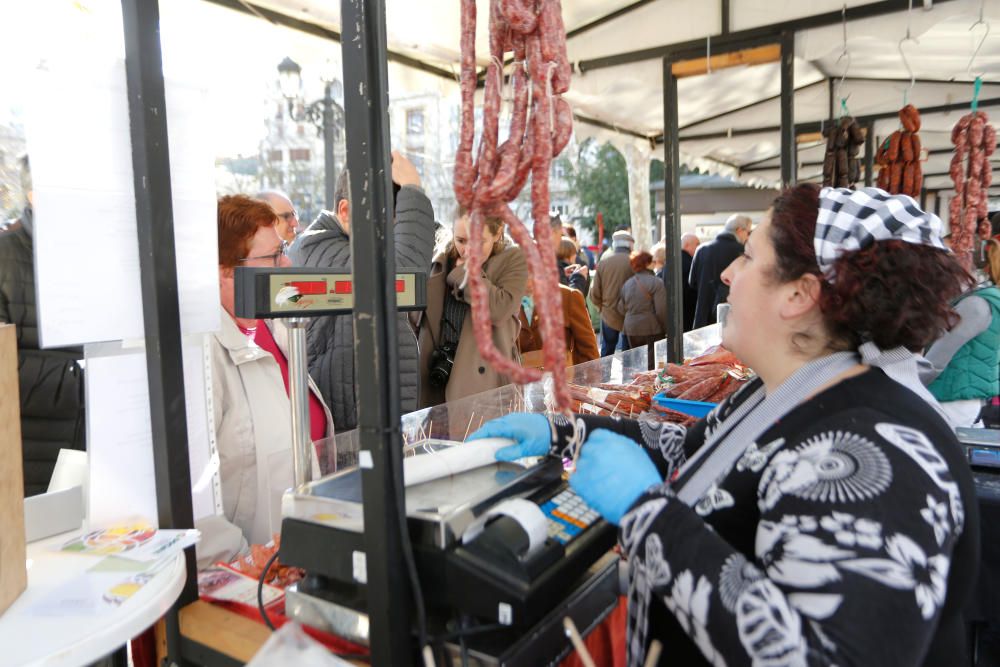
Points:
(446, 332)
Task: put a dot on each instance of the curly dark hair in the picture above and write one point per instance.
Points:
(892, 292)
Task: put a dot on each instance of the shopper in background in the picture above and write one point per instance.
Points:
(288, 218)
(659, 253)
(991, 411)
(572, 275)
(964, 372)
(643, 304)
(689, 244)
(830, 515)
(50, 380)
(709, 263)
(326, 244)
(451, 364)
(251, 410)
(605, 290)
(581, 343)
(584, 254)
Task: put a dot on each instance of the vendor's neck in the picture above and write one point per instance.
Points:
(775, 370)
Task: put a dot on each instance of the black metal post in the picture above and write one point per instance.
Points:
(158, 276)
(329, 139)
(726, 12)
(789, 156)
(672, 274)
(870, 155)
(366, 100)
(830, 94)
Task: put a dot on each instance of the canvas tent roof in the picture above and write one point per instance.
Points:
(728, 118)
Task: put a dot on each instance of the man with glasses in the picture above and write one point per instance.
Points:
(326, 243)
(288, 218)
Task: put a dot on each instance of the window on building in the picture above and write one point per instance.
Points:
(301, 129)
(274, 156)
(558, 170)
(415, 121)
(279, 110)
(298, 154)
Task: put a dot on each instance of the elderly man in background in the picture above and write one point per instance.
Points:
(708, 264)
(689, 244)
(288, 218)
(605, 291)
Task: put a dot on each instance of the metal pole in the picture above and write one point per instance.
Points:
(329, 169)
(788, 153)
(158, 277)
(672, 278)
(870, 155)
(366, 102)
(298, 389)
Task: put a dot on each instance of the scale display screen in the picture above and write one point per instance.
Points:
(297, 292)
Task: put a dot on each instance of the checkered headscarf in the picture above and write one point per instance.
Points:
(854, 219)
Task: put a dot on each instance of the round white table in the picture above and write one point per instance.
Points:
(30, 639)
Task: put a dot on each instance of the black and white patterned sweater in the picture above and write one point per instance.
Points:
(847, 535)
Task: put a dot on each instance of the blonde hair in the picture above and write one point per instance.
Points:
(567, 249)
(993, 260)
(494, 224)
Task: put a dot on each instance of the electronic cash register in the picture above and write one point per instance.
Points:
(478, 552)
(504, 544)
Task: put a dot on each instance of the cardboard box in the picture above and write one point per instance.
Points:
(13, 573)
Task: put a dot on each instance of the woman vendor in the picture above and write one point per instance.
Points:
(824, 514)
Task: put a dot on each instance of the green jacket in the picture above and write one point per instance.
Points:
(972, 372)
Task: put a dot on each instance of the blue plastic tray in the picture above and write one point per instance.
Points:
(693, 408)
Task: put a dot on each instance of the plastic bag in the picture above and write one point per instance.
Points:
(291, 646)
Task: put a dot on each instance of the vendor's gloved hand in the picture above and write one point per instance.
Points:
(531, 431)
(611, 473)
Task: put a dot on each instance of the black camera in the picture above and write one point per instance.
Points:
(442, 359)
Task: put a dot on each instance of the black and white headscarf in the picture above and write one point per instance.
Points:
(854, 219)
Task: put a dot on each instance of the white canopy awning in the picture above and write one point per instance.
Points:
(716, 110)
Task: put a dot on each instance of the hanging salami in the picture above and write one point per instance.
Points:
(541, 123)
(975, 140)
(844, 139)
(898, 157)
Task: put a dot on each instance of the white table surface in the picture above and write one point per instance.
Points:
(27, 638)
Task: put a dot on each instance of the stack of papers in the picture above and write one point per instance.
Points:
(126, 558)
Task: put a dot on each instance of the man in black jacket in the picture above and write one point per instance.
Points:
(327, 244)
(708, 264)
(50, 381)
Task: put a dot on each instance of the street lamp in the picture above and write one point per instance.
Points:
(324, 113)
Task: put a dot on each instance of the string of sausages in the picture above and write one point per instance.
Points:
(844, 139)
(899, 157)
(540, 126)
(975, 140)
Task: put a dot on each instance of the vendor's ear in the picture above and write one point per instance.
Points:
(801, 296)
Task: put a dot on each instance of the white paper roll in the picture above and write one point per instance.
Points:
(529, 515)
(452, 461)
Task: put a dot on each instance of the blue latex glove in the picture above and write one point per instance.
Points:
(611, 473)
(531, 431)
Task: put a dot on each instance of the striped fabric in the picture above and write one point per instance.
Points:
(854, 219)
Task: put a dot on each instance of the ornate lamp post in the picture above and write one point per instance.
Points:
(324, 113)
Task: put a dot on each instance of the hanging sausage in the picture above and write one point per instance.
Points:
(898, 157)
(844, 139)
(975, 140)
(541, 123)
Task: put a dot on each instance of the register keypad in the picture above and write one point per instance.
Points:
(568, 515)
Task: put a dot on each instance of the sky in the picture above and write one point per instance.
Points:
(234, 55)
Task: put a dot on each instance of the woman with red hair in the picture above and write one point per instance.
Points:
(251, 413)
(825, 513)
(643, 303)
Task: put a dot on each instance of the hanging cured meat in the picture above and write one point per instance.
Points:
(975, 140)
(844, 139)
(540, 126)
(899, 157)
